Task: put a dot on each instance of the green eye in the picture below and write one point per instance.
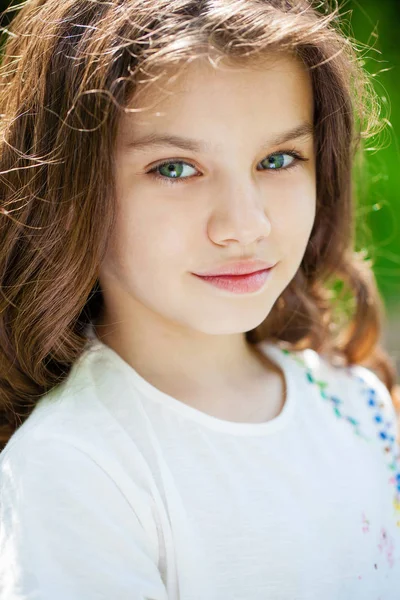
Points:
(172, 170)
(175, 171)
(277, 161)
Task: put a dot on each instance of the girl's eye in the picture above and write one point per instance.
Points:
(278, 161)
(174, 171)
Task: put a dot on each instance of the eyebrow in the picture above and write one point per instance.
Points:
(304, 130)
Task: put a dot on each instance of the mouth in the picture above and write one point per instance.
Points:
(239, 284)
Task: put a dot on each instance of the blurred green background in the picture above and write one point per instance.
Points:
(377, 25)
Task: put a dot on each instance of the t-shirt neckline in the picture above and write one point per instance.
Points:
(271, 350)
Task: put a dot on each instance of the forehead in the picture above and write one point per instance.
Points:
(223, 100)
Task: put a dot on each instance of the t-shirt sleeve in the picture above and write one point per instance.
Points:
(68, 532)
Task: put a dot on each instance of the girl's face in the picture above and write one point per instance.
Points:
(220, 196)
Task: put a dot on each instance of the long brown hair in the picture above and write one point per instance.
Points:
(69, 69)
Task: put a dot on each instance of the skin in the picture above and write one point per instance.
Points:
(183, 335)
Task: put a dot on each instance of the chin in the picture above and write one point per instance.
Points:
(230, 324)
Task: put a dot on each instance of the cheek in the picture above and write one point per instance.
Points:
(292, 223)
(293, 216)
(150, 235)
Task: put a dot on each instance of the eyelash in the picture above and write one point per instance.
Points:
(176, 180)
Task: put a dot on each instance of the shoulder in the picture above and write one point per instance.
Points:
(64, 412)
(72, 436)
(355, 392)
(90, 505)
(79, 409)
(49, 470)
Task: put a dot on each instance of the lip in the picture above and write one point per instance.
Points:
(241, 267)
(238, 284)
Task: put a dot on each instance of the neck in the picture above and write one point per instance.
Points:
(168, 351)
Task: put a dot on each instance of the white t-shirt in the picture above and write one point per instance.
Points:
(114, 490)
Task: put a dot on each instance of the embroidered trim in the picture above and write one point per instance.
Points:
(383, 427)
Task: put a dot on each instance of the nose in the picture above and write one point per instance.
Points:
(239, 215)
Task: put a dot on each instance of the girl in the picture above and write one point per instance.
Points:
(186, 411)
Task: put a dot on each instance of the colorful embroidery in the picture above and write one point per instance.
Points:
(322, 387)
(387, 439)
(384, 427)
